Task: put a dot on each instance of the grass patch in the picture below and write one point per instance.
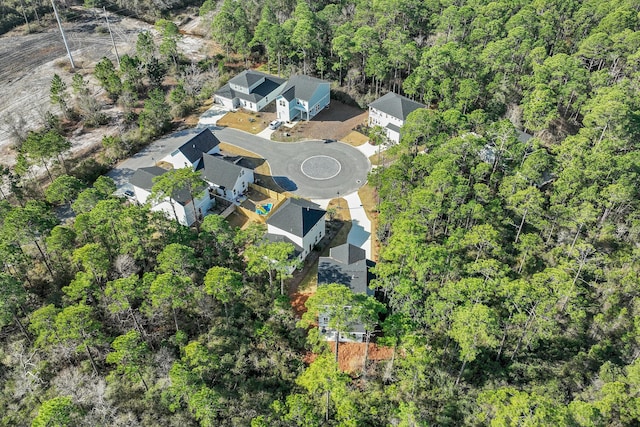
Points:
(355, 139)
(261, 168)
(247, 121)
(369, 198)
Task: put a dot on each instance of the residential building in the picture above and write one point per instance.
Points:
(390, 112)
(251, 90)
(299, 222)
(302, 98)
(179, 205)
(190, 152)
(226, 176)
(346, 265)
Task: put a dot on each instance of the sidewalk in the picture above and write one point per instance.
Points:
(360, 233)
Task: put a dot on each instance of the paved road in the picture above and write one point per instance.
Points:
(285, 161)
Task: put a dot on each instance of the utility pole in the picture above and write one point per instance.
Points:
(64, 39)
(106, 17)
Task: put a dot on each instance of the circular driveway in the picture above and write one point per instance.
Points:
(311, 169)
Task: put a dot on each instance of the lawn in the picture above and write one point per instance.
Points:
(369, 199)
(355, 139)
(342, 219)
(247, 121)
(261, 167)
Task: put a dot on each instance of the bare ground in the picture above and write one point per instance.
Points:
(30, 61)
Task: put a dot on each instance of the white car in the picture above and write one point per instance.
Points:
(275, 124)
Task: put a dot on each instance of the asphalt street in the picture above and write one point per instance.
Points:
(284, 159)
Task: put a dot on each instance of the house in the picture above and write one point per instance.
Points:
(346, 265)
(299, 222)
(302, 97)
(226, 176)
(179, 205)
(390, 112)
(189, 153)
(250, 89)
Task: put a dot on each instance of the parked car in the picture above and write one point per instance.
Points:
(129, 194)
(275, 124)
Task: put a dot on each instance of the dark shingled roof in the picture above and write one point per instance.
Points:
(219, 170)
(301, 87)
(296, 216)
(203, 142)
(246, 79)
(143, 178)
(396, 105)
(347, 265)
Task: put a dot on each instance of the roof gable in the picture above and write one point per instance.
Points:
(396, 105)
(219, 171)
(346, 265)
(296, 216)
(143, 178)
(301, 87)
(247, 78)
(203, 142)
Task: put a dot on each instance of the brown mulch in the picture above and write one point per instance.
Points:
(335, 122)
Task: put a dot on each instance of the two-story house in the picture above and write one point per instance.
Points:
(346, 265)
(299, 222)
(179, 206)
(302, 97)
(250, 89)
(225, 176)
(390, 112)
(190, 152)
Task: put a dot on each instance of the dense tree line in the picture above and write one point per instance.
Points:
(509, 266)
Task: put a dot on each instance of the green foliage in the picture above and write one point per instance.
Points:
(155, 118)
(63, 189)
(59, 411)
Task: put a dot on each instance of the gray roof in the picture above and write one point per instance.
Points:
(203, 142)
(301, 87)
(347, 265)
(296, 216)
(246, 79)
(396, 105)
(219, 170)
(393, 127)
(143, 178)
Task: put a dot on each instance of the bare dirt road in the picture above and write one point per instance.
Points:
(29, 62)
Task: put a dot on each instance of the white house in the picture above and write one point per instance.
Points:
(188, 154)
(303, 97)
(181, 202)
(297, 221)
(346, 265)
(390, 112)
(250, 89)
(225, 176)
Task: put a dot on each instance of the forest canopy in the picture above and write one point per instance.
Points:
(509, 261)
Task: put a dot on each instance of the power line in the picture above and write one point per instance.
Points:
(64, 39)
